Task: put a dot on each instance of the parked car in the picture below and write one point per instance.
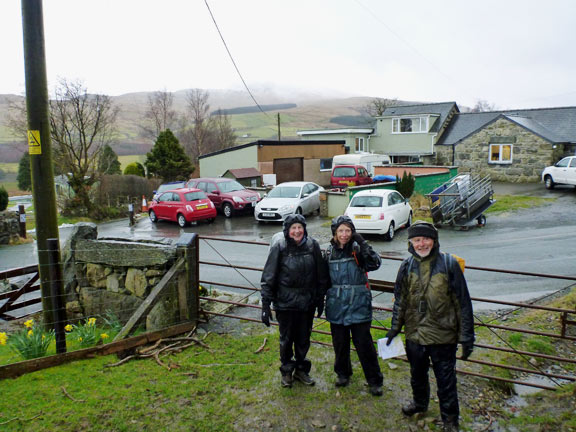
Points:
(379, 211)
(289, 198)
(228, 195)
(182, 206)
(349, 175)
(168, 186)
(562, 172)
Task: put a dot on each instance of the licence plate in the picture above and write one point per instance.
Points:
(268, 214)
(203, 206)
(361, 216)
(253, 203)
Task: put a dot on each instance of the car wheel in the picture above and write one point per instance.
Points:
(153, 216)
(181, 220)
(299, 211)
(481, 220)
(548, 182)
(390, 233)
(409, 222)
(227, 210)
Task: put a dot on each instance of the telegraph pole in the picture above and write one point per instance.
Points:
(278, 114)
(39, 145)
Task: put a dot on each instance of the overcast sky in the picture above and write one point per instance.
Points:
(511, 53)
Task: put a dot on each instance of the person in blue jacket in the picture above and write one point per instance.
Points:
(349, 303)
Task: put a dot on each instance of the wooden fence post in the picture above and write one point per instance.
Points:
(188, 284)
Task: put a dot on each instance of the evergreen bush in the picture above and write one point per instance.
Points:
(406, 185)
(3, 198)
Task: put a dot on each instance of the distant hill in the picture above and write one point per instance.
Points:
(298, 111)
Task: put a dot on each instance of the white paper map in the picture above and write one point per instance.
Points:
(395, 349)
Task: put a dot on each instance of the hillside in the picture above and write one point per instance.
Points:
(309, 111)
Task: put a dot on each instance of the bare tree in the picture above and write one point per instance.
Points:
(81, 125)
(159, 114)
(483, 106)
(224, 135)
(377, 106)
(199, 129)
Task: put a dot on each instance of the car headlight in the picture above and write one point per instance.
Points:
(286, 207)
(237, 199)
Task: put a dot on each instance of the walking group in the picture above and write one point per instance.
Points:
(431, 303)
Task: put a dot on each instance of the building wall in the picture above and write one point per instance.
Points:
(216, 165)
(350, 140)
(385, 142)
(267, 153)
(530, 153)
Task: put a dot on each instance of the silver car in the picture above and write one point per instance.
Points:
(289, 198)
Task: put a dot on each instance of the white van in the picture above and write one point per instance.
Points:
(367, 160)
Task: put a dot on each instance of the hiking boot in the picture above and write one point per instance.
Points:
(376, 390)
(411, 409)
(287, 380)
(304, 378)
(450, 426)
(342, 381)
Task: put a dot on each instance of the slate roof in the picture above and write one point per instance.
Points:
(443, 109)
(556, 125)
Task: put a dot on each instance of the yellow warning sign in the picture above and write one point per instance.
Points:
(34, 144)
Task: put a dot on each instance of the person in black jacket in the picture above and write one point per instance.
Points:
(294, 280)
(349, 303)
(432, 303)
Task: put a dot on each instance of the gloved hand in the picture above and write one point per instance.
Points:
(320, 308)
(391, 335)
(358, 238)
(467, 348)
(266, 314)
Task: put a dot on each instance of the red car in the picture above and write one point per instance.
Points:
(349, 175)
(182, 206)
(228, 195)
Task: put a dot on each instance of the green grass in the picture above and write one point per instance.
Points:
(514, 202)
(9, 167)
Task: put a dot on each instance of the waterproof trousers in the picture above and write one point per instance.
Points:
(295, 330)
(364, 344)
(443, 359)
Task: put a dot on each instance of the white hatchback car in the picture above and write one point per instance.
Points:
(562, 172)
(379, 211)
(289, 198)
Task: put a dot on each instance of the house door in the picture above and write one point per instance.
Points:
(291, 169)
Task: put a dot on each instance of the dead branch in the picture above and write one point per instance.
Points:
(19, 419)
(157, 358)
(192, 374)
(259, 350)
(70, 397)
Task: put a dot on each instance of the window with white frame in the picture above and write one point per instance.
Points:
(500, 154)
(360, 144)
(410, 125)
(326, 164)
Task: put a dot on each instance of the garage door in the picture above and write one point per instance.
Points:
(291, 169)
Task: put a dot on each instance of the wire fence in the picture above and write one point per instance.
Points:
(100, 306)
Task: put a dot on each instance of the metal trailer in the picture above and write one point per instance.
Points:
(461, 201)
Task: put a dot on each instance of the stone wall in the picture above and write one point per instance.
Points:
(9, 227)
(530, 153)
(116, 275)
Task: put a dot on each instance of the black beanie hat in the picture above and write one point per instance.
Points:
(422, 229)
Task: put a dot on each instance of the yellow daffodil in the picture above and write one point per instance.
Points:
(91, 321)
(30, 333)
(104, 336)
(68, 328)
(3, 338)
(79, 339)
(29, 323)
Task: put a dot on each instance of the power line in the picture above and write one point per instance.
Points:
(232, 58)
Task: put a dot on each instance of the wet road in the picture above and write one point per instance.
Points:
(538, 240)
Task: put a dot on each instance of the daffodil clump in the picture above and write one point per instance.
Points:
(86, 334)
(30, 342)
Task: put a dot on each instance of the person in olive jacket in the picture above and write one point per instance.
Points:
(349, 303)
(432, 303)
(294, 280)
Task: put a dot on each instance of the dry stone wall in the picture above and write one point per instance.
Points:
(9, 227)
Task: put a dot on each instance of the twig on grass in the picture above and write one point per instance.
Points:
(19, 419)
(259, 350)
(70, 397)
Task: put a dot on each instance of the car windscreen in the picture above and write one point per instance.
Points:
(366, 201)
(165, 187)
(194, 196)
(285, 192)
(230, 186)
(344, 172)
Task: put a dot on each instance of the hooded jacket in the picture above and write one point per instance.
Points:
(295, 276)
(431, 300)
